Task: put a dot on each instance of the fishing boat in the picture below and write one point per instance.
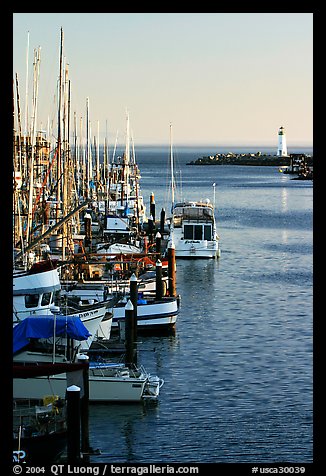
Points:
(155, 312)
(119, 209)
(34, 289)
(92, 314)
(152, 313)
(36, 292)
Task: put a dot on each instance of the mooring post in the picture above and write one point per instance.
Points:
(159, 280)
(134, 299)
(152, 207)
(88, 229)
(172, 269)
(73, 424)
(84, 405)
(162, 222)
(158, 241)
(129, 331)
(150, 229)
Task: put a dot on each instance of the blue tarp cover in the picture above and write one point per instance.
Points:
(43, 327)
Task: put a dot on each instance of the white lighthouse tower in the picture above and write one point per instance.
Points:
(281, 148)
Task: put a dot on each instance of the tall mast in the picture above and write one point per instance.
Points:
(59, 166)
(82, 158)
(126, 163)
(98, 155)
(87, 151)
(25, 166)
(33, 143)
(18, 164)
(172, 188)
(65, 163)
(172, 171)
(127, 150)
(105, 158)
(26, 88)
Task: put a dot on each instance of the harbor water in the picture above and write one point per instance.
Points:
(238, 368)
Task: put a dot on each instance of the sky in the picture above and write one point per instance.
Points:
(218, 78)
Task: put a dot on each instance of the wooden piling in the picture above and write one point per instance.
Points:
(158, 245)
(172, 269)
(73, 424)
(84, 405)
(134, 299)
(162, 221)
(88, 229)
(152, 206)
(129, 332)
(159, 280)
(150, 229)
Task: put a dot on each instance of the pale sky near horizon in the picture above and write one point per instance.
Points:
(219, 78)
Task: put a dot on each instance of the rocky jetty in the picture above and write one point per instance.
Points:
(258, 158)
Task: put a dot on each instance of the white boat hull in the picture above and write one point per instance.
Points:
(196, 249)
(102, 388)
(92, 320)
(193, 230)
(151, 315)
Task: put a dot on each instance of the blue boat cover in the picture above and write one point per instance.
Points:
(43, 327)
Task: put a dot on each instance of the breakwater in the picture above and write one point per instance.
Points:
(258, 158)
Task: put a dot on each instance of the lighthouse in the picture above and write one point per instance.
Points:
(281, 148)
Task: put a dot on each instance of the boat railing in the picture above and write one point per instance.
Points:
(30, 416)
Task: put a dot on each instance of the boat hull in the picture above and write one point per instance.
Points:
(101, 389)
(196, 249)
(41, 448)
(150, 315)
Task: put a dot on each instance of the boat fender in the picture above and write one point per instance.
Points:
(165, 290)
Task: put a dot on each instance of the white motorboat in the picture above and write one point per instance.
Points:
(192, 224)
(193, 230)
(107, 383)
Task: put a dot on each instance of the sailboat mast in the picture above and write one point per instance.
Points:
(172, 188)
(87, 151)
(33, 143)
(26, 89)
(127, 162)
(98, 156)
(58, 196)
(172, 171)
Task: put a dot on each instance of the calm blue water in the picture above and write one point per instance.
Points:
(238, 371)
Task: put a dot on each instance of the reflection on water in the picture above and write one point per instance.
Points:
(284, 200)
(238, 370)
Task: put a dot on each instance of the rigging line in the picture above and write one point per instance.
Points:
(44, 181)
